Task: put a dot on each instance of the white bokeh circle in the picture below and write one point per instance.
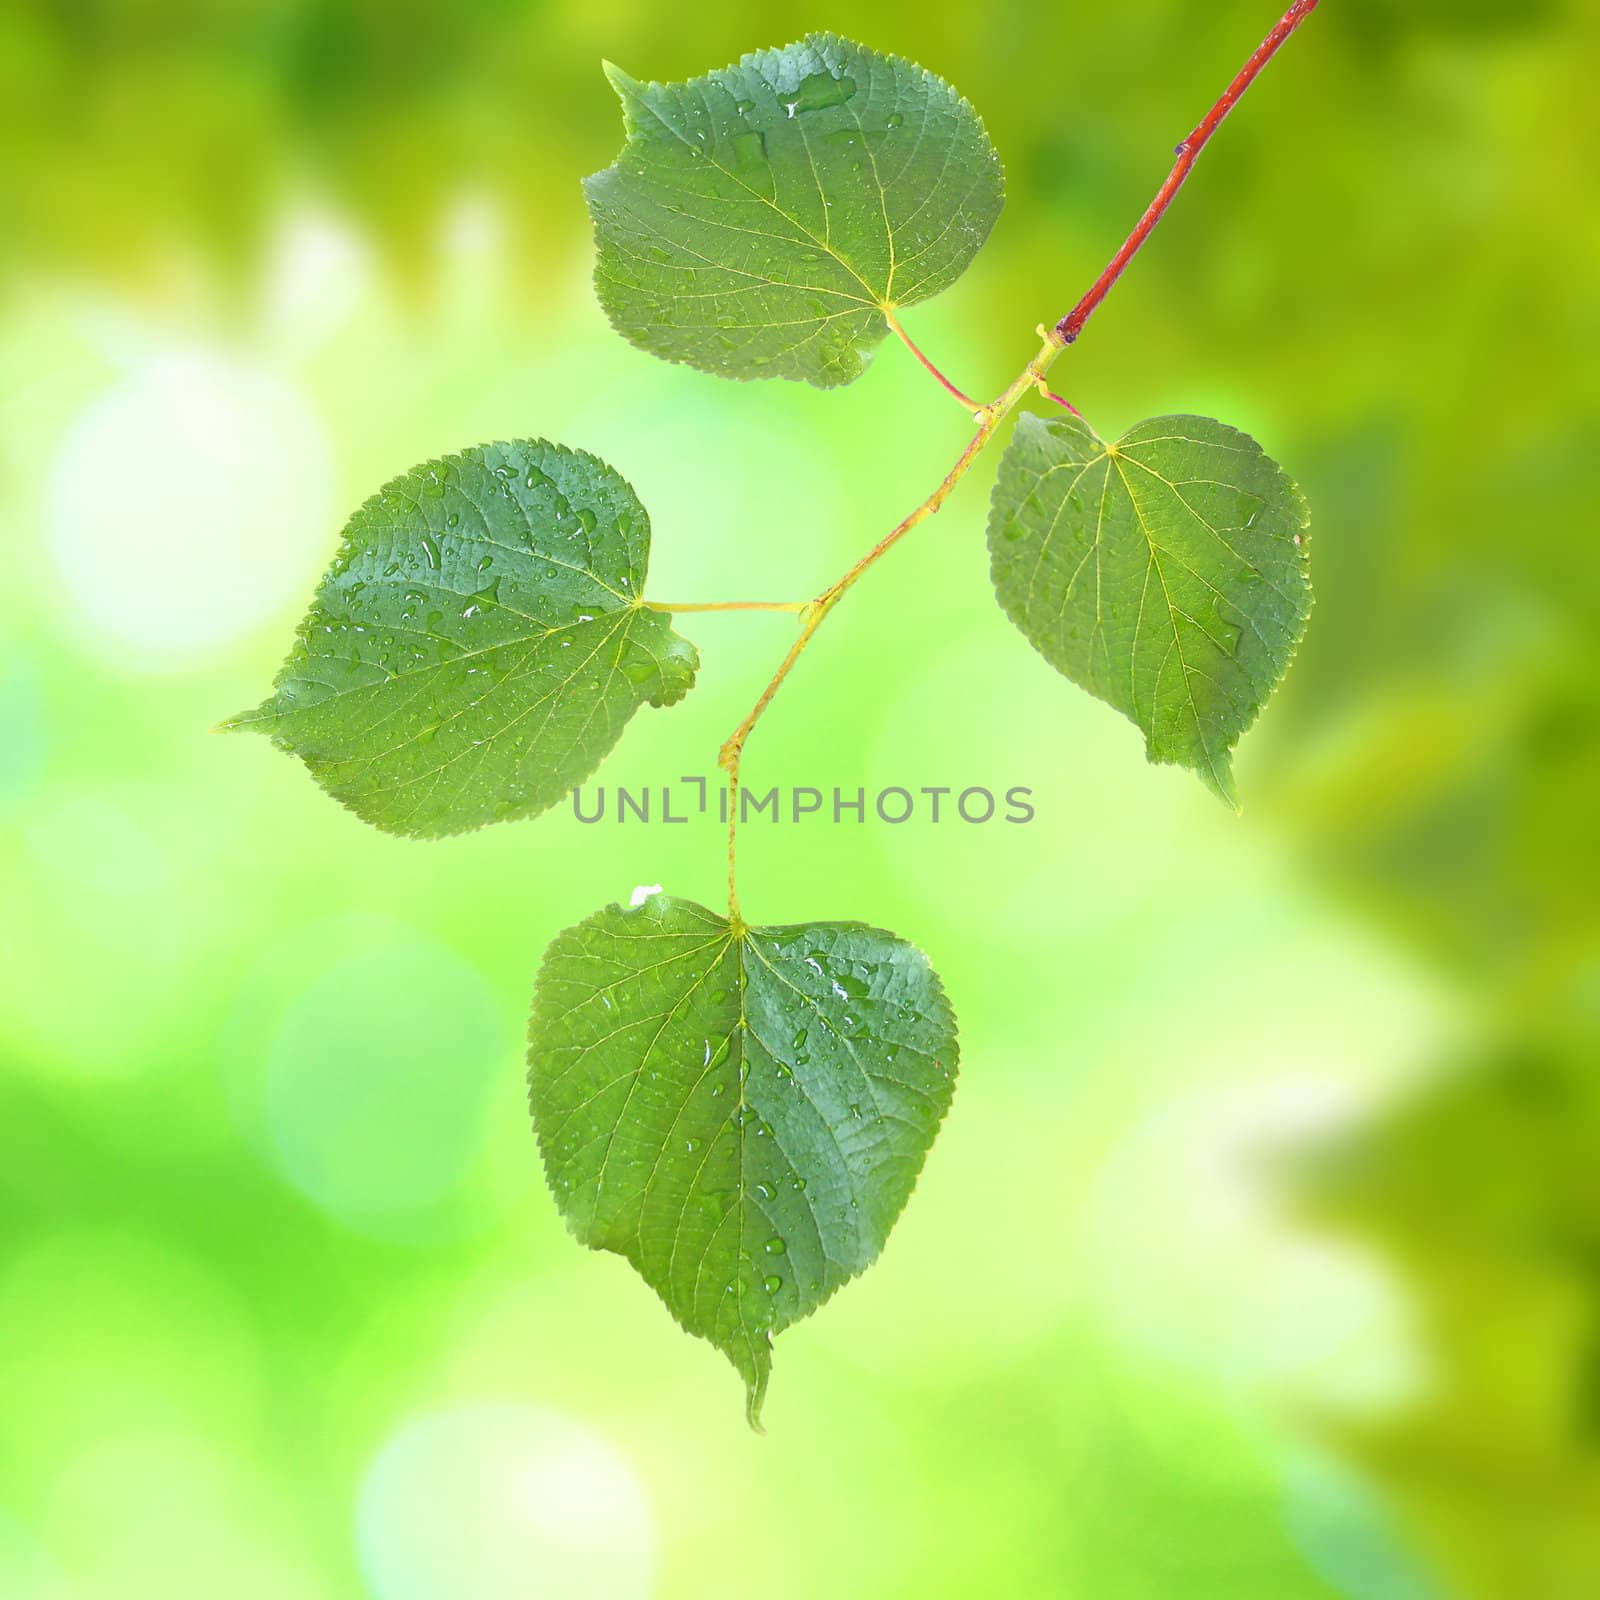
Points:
(486, 1501)
(186, 507)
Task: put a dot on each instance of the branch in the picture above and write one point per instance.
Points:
(726, 605)
(1071, 325)
(990, 417)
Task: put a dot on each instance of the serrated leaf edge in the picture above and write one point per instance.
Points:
(257, 718)
(622, 82)
(755, 1394)
(1220, 785)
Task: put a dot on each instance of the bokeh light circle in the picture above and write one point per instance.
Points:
(380, 1081)
(484, 1501)
(186, 507)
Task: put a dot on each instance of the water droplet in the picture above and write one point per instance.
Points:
(749, 150)
(486, 599)
(819, 90)
(635, 663)
(846, 982)
(775, 1246)
(772, 1284)
(431, 550)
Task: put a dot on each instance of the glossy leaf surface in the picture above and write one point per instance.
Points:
(478, 644)
(1165, 573)
(761, 218)
(741, 1113)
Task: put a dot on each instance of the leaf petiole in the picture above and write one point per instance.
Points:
(1059, 399)
(989, 417)
(905, 338)
(727, 605)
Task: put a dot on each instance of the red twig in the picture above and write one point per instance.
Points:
(1071, 325)
(1060, 399)
(910, 344)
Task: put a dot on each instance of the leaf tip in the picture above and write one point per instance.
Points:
(754, 1395)
(1217, 776)
(755, 1371)
(617, 78)
(241, 721)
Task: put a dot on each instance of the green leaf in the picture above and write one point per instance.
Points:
(741, 1112)
(1165, 573)
(760, 219)
(479, 642)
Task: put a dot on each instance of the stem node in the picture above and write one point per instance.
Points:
(988, 417)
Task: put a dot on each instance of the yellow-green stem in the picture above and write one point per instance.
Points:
(727, 605)
(989, 419)
(992, 415)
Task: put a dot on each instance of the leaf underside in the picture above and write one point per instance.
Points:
(478, 644)
(760, 219)
(741, 1113)
(1165, 573)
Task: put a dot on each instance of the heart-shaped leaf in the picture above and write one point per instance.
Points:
(741, 1112)
(761, 219)
(1165, 573)
(479, 642)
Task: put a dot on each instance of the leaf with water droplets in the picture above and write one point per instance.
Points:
(740, 1112)
(761, 219)
(479, 642)
(1165, 573)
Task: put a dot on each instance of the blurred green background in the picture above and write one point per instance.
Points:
(1260, 1257)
